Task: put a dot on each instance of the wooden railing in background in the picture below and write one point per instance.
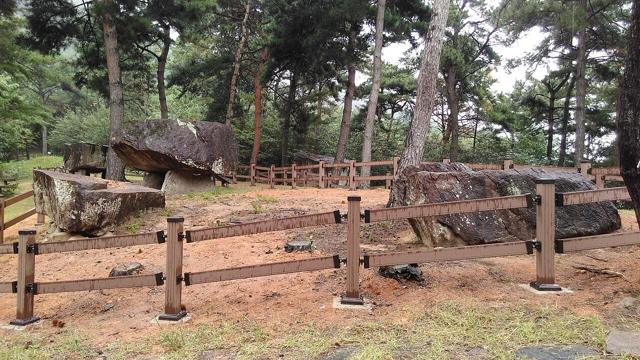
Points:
(326, 175)
(4, 203)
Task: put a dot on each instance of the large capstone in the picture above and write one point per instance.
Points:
(436, 183)
(159, 146)
(89, 205)
(85, 157)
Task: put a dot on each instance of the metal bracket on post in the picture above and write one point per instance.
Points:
(336, 261)
(365, 261)
(32, 288)
(159, 279)
(14, 287)
(161, 237)
(32, 249)
(559, 199)
(559, 246)
(533, 244)
(337, 216)
(186, 279)
(16, 247)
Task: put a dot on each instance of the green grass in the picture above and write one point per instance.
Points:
(22, 169)
(218, 192)
(442, 331)
(260, 201)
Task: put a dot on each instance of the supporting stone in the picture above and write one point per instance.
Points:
(352, 295)
(545, 236)
(173, 285)
(446, 161)
(507, 164)
(26, 275)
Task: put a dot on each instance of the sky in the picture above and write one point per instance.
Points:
(505, 78)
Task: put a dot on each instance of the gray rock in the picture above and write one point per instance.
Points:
(89, 205)
(84, 156)
(298, 245)
(199, 147)
(555, 352)
(127, 269)
(623, 342)
(184, 183)
(409, 272)
(628, 303)
(435, 183)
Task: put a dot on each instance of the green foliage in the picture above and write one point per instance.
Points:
(23, 169)
(83, 125)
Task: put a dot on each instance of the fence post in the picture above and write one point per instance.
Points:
(507, 164)
(446, 161)
(173, 284)
(352, 296)
(545, 236)
(1, 220)
(321, 175)
(600, 181)
(253, 174)
(585, 165)
(352, 175)
(387, 184)
(293, 176)
(396, 161)
(272, 171)
(304, 177)
(26, 272)
(39, 219)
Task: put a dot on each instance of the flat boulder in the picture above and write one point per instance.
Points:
(84, 156)
(436, 183)
(159, 146)
(89, 205)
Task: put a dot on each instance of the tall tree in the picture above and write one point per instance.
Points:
(425, 99)
(115, 166)
(257, 119)
(629, 113)
(375, 90)
(236, 63)
(581, 82)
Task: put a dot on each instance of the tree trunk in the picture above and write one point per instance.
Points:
(236, 64)
(550, 120)
(453, 103)
(45, 140)
(373, 96)
(286, 124)
(420, 123)
(348, 102)
(257, 118)
(162, 63)
(115, 166)
(565, 122)
(629, 113)
(581, 87)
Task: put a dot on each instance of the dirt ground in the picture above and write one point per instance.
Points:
(305, 298)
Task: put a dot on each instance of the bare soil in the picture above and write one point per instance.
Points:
(305, 298)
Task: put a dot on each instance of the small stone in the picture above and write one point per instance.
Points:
(298, 245)
(126, 269)
(623, 342)
(554, 352)
(409, 272)
(106, 307)
(628, 303)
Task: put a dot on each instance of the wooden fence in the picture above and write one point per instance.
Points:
(325, 175)
(4, 203)
(544, 246)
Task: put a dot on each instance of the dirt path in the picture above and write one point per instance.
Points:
(298, 299)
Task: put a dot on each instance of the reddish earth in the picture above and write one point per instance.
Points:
(279, 301)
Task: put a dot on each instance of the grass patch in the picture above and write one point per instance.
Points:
(443, 331)
(69, 345)
(22, 169)
(217, 192)
(258, 204)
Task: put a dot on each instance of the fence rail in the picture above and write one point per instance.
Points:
(4, 203)
(545, 246)
(324, 175)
